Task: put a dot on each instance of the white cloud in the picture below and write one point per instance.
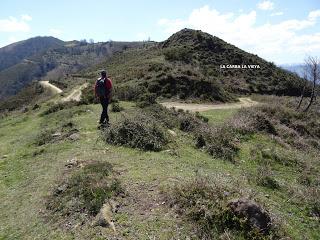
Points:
(275, 42)
(13, 24)
(276, 14)
(26, 17)
(265, 5)
(313, 15)
(55, 32)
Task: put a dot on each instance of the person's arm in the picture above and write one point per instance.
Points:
(109, 88)
(95, 89)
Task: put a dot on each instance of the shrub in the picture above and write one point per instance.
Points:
(165, 117)
(115, 107)
(178, 54)
(139, 131)
(87, 96)
(50, 135)
(207, 204)
(221, 142)
(188, 122)
(146, 100)
(253, 120)
(265, 177)
(44, 137)
(84, 191)
(59, 106)
(201, 117)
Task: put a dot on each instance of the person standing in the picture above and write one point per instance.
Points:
(103, 91)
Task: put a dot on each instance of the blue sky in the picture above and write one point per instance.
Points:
(277, 30)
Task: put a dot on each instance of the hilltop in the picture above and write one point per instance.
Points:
(187, 66)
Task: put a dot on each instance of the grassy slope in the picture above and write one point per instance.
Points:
(27, 176)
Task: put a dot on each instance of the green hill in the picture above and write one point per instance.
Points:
(187, 65)
(14, 53)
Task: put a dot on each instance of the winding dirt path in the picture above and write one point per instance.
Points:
(194, 107)
(75, 95)
(53, 88)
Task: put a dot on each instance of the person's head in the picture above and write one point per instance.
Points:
(103, 73)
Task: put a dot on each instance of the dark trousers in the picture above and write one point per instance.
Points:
(104, 115)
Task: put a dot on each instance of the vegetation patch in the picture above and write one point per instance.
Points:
(29, 95)
(221, 142)
(265, 177)
(218, 211)
(49, 135)
(139, 131)
(59, 106)
(80, 196)
(146, 100)
(116, 107)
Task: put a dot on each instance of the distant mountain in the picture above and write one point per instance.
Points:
(50, 58)
(14, 53)
(295, 68)
(194, 64)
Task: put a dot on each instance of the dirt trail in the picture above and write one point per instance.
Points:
(193, 107)
(50, 86)
(75, 95)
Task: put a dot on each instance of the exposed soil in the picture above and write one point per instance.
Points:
(194, 107)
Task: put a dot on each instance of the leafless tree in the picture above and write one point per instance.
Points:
(312, 73)
(305, 78)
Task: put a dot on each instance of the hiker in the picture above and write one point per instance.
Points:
(103, 90)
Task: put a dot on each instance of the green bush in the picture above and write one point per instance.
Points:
(205, 203)
(201, 117)
(59, 106)
(138, 131)
(115, 107)
(221, 142)
(265, 177)
(165, 117)
(188, 122)
(183, 54)
(88, 96)
(84, 191)
(44, 137)
(146, 100)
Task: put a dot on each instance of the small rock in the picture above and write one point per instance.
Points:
(60, 189)
(56, 134)
(36, 106)
(104, 217)
(74, 136)
(71, 163)
(256, 216)
(172, 133)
